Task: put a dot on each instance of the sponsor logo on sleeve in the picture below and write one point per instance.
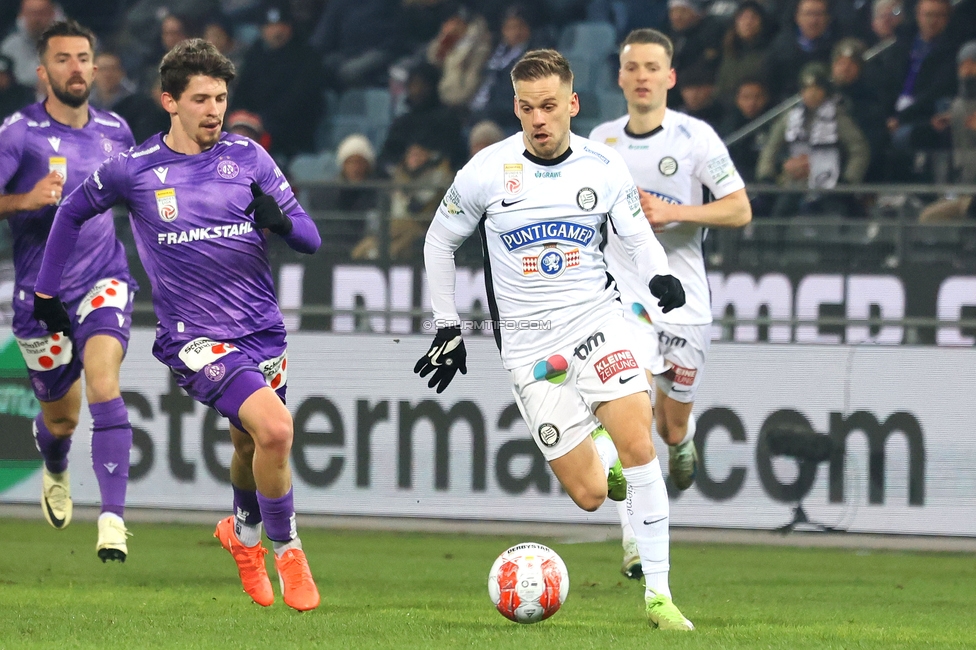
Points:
(606, 161)
(451, 203)
(166, 204)
(547, 231)
(615, 363)
(721, 170)
(633, 202)
(513, 178)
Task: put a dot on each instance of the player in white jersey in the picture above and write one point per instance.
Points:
(541, 200)
(677, 161)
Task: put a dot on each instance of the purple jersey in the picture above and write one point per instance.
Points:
(207, 261)
(33, 144)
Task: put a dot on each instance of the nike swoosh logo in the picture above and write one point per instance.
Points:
(58, 523)
(506, 204)
(648, 522)
(624, 381)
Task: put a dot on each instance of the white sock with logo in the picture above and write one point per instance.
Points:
(248, 534)
(628, 530)
(649, 510)
(607, 452)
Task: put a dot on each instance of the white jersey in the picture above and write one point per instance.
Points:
(676, 163)
(542, 225)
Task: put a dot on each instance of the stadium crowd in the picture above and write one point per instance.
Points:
(409, 89)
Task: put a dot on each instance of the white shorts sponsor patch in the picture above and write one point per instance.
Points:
(106, 293)
(276, 370)
(202, 351)
(46, 352)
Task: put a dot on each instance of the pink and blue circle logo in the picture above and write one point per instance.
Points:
(552, 369)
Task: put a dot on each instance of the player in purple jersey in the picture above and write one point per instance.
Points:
(200, 200)
(46, 150)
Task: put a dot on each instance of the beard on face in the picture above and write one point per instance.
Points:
(67, 97)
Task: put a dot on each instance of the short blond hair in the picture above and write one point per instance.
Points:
(539, 64)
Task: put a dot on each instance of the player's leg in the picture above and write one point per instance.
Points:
(53, 428)
(582, 475)
(240, 533)
(111, 441)
(676, 426)
(265, 417)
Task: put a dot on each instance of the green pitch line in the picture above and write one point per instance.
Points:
(388, 590)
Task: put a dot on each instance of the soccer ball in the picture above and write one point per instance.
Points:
(528, 583)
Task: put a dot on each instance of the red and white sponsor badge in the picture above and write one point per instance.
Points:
(276, 370)
(614, 364)
(682, 376)
(46, 352)
(202, 351)
(106, 293)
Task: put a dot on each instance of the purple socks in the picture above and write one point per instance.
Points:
(53, 450)
(111, 442)
(246, 508)
(279, 516)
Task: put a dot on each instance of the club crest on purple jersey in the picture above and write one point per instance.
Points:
(227, 169)
(107, 147)
(214, 371)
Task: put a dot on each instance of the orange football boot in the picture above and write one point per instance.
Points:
(297, 587)
(250, 563)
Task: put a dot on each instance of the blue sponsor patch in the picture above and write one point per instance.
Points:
(664, 197)
(547, 231)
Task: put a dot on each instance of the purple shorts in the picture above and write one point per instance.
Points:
(224, 373)
(54, 364)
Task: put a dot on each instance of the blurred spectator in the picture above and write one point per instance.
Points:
(860, 100)
(628, 15)
(751, 100)
(424, 108)
(822, 145)
(809, 39)
(886, 17)
(744, 49)
(494, 98)
(961, 120)
(697, 38)
(248, 124)
(460, 50)
(698, 95)
(916, 73)
(429, 173)
(282, 82)
(173, 28)
(421, 20)
(484, 134)
(13, 96)
(218, 30)
(21, 45)
(357, 163)
(356, 40)
(113, 91)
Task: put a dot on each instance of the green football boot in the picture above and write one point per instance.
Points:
(663, 615)
(616, 483)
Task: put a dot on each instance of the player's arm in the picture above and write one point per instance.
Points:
(716, 171)
(456, 218)
(95, 195)
(275, 207)
(47, 191)
(642, 246)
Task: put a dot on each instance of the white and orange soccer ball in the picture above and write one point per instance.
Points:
(528, 583)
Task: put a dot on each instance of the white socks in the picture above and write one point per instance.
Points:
(247, 534)
(690, 433)
(607, 452)
(628, 530)
(281, 547)
(648, 510)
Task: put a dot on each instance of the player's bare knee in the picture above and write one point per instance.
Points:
(590, 499)
(62, 427)
(275, 436)
(635, 451)
(102, 388)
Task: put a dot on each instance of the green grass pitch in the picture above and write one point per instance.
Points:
(400, 590)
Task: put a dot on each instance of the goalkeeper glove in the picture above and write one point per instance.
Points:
(51, 313)
(669, 292)
(267, 212)
(445, 357)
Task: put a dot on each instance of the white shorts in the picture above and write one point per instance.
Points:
(558, 394)
(675, 355)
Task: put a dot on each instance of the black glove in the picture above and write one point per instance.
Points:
(669, 291)
(51, 313)
(267, 212)
(445, 357)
